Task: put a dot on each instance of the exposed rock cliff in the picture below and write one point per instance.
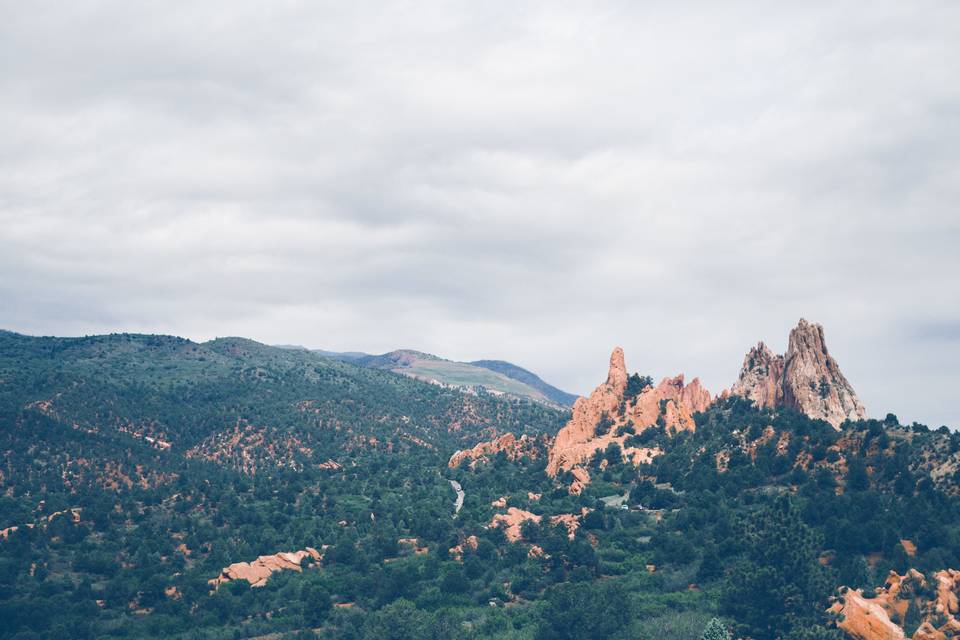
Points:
(806, 378)
(884, 616)
(812, 382)
(597, 419)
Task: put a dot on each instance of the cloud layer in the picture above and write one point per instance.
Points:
(536, 183)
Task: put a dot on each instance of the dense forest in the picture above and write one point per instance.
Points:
(136, 468)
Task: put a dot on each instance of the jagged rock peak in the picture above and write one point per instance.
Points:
(806, 378)
(595, 421)
(761, 377)
(812, 379)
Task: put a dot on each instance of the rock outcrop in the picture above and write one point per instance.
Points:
(602, 418)
(806, 378)
(581, 478)
(883, 617)
(512, 521)
(509, 444)
(470, 542)
(259, 571)
(761, 378)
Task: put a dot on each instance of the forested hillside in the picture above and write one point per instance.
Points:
(149, 482)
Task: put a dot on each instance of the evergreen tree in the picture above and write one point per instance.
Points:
(715, 630)
(780, 584)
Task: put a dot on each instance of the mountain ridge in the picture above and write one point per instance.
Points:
(495, 376)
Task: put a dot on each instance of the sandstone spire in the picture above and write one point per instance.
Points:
(596, 420)
(812, 382)
(807, 378)
(617, 374)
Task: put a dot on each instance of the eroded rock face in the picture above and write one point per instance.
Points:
(577, 440)
(581, 478)
(806, 378)
(513, 447)
(671, 403)
(761, 377)
(882, 617)
(259, 571)
(812, 382)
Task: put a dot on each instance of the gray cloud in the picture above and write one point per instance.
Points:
(535, 183)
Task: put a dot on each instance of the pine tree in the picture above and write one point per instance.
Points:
(715, 630)
(780, 584)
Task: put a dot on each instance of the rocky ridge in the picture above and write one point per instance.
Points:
(608, 416)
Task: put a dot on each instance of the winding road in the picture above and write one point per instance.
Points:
(460, 494)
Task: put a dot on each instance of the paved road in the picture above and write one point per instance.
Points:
(459, 503)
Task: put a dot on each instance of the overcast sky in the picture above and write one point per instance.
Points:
(535, 182)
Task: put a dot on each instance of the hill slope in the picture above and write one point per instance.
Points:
(187, 395)
(529, 378)
(491, 376)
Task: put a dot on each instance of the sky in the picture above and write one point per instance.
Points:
(535, 182)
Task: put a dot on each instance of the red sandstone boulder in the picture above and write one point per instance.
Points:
(882, 617)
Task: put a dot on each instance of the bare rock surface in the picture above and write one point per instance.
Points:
(806, 378)
(882, 617)
(258, 572)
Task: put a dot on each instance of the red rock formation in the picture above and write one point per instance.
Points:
(570, 520)
(508, 443)
(761, 377)
(575, 441)
(511, 521)
(865, 619)
(812, 380)
(909, 547)
(671, 402)
(882, 617)
(471, 542)
(807, 378)
(259, 571)
(581, 478)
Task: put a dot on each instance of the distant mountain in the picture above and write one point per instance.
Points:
(529, 378)
(493, 376)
